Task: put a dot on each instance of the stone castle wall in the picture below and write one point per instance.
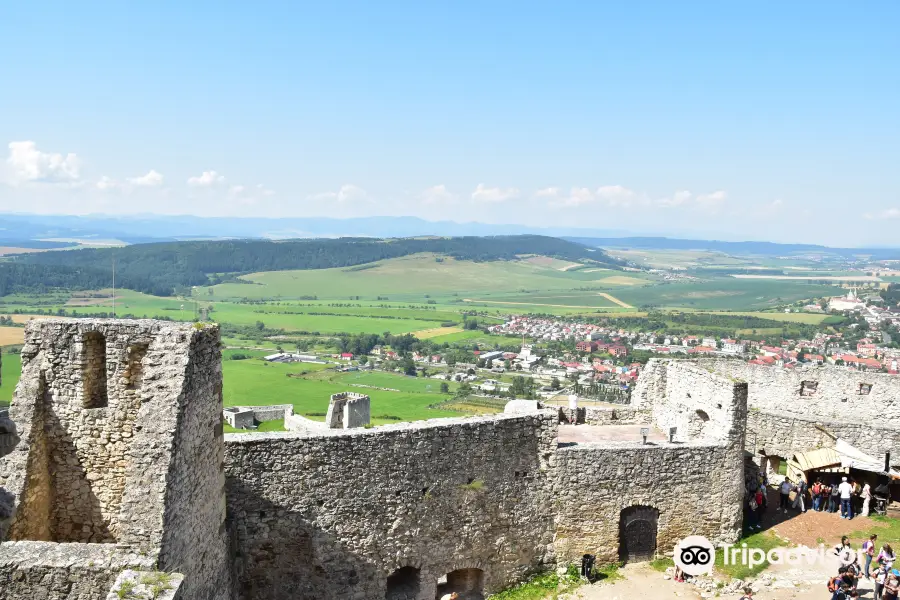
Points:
(333, 516)
(690, 485)
(784, 419)
(837, 396)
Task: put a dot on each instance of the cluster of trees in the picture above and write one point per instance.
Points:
(162, 268)
(892, 294)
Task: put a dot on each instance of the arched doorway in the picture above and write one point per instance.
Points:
(468, 583)
(403, 584)
(637, 533)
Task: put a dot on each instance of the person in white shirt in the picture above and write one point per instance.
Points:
(785, 494)
(866, 496)
(846, 507)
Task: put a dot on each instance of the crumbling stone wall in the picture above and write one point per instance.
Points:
(333, 516)
(784, 434)
(144, 469)
(347, 410)
(785, 420)
(837, 396)
(50, 571)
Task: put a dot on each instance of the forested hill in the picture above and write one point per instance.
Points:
(162, 268)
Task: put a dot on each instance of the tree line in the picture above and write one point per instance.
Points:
(163, 268)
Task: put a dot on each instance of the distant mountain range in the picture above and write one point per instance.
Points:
(18, 229)
(739, 248)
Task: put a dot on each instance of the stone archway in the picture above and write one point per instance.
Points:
(404, 584)
(638, 527)
(468, 583)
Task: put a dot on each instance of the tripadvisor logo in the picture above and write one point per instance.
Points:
(695, 555)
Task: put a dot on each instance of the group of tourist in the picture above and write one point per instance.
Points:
(847, 496)
(879, 568)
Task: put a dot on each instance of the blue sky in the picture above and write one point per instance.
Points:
(736, 120)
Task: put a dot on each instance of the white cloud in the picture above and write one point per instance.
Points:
(206, 179)
(106, 183)
(28, 164)
(151, 179)
(483, 193)
(347, 193)
(438, 194)
(679, 198)
(608, 195)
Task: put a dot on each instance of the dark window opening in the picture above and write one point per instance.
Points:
(808, 388)
(865, 389)
(93, 370)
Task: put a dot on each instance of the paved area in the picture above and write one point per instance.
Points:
(581, 434)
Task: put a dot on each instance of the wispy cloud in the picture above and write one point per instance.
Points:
(152, 179)
(888, 213)
(206, 179)
(492, 195)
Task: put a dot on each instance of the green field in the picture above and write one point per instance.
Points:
(10, 371)
(407, 278)
(254, 382)
(724, 293)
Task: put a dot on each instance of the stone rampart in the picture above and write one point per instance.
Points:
(334, 516)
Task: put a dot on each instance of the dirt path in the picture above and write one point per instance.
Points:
(615, 300)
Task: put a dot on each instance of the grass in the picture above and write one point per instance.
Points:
(11, 369)
(804, 318)
(254, 382)
(661, 564)
(437, 332)
(886, 528)
(763, 540)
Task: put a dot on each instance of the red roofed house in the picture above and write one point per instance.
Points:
(347, 355)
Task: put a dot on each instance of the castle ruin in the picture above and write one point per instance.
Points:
(119, 466)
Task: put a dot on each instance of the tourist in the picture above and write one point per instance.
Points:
(764, 486)
(761, 507)
(834, 500)
(800, 499)
(846, 491)
(891, 587)
(867, 497)
(869, 548)
(752, 514)
(814, 491)
(886, 557)
(748, 593)
(880, 575)
(785, 494)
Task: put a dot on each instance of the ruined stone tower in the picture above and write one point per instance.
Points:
(119, 456)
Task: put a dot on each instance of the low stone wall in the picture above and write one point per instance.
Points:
(48, 571)
(333, 516)
(691, 485)
(592, 415)
(274, 412)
